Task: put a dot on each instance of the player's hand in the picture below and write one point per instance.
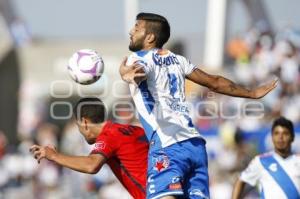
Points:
(261, 91)
(132, 74)
(40, 152)
(123, 69)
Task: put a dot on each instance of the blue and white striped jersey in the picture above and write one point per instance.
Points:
(277, 177)
(160, 99)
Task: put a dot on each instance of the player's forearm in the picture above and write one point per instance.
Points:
(237, 189)
(82, 164)
(227, 87)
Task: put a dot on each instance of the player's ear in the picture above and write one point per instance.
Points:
(292, 139)
(84, 123)
(151, 38)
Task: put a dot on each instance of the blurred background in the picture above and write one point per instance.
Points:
(248, 41)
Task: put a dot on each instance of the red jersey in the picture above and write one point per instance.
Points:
(126, 150)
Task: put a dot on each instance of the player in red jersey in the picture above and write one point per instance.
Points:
(123, 147)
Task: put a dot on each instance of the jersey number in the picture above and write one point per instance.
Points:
(173, 84)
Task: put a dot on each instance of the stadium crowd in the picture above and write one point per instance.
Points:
(256, 57)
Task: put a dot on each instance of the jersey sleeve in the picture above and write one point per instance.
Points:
(104, 146)
(252, 173)
(188, 67)
(140, 60)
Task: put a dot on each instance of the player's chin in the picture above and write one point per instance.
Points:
(90, 141)
(282, 146)
(131, 47)
(134, 48)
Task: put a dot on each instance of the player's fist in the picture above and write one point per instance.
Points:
(40, 152)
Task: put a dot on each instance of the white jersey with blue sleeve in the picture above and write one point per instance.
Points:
(277, 177)
(160, 99)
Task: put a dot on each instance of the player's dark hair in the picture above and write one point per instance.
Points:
(157, 25)
(282, 121)
(91, 108)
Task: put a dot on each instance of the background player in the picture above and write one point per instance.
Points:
(174, 169)
(276, 172)
(123, 147)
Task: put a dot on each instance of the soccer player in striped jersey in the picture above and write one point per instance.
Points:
(277, 173)
(177, 162)
(123, 147)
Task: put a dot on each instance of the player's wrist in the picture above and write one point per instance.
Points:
(52, 156)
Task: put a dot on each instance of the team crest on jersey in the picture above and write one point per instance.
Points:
(100, 145)
(273, 167)
(161, 162)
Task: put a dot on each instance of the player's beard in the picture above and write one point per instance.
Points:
(137, 45)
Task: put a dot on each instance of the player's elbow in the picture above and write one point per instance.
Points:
(93, 169)
(93, 166)
(94, 163)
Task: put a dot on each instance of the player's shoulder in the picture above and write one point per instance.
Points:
(110, 134)
(118, 129)
(264, 155)
(297, 155)
(140, 54)
(140, 57)
(113, 127)
(256, 160)
(261, 156)
(181, 59)
(109, 129)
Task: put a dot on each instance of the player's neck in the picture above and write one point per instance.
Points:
(284, 153)
(97, 128)
(148, 47)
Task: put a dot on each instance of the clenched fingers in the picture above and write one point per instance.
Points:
(37, 152)
(34, 148)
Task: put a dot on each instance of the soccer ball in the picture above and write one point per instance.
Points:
(85, 66)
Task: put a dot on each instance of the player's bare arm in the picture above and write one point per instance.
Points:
(132, 73)
(86, 164)
(238, 189)
(225, 86)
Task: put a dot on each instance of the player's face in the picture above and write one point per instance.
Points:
(282, 139)
(85, 132)
(137, 36)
